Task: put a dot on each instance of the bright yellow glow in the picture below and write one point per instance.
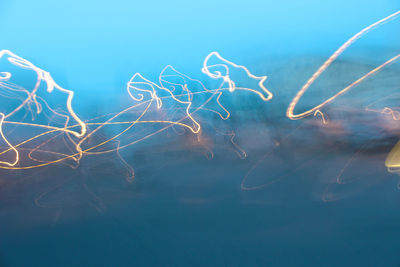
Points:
(392, 161)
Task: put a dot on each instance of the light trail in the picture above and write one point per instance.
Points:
(181, 107)
(290, 111)
(175, 100)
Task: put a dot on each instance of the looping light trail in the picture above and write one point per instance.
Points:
(176, 100)
(180, 100)
(290, 111)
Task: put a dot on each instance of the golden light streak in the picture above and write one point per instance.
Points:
(329, 61)
(51, 84)
(8, 143)
(163, 95)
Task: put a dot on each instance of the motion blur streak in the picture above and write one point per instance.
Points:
(393, 160)
(175, 101)
(32, 98)
(329, 61)
(177, 97)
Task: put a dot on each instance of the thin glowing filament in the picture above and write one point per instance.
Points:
(331, 59)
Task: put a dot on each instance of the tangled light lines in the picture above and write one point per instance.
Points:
(176, 101)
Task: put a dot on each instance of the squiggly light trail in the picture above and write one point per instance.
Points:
(33, 98)
(185, 104)
(177, 97)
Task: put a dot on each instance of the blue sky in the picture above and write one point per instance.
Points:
(98, 45)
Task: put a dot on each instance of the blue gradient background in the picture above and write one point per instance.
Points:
(97, 45)
(94, 47)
